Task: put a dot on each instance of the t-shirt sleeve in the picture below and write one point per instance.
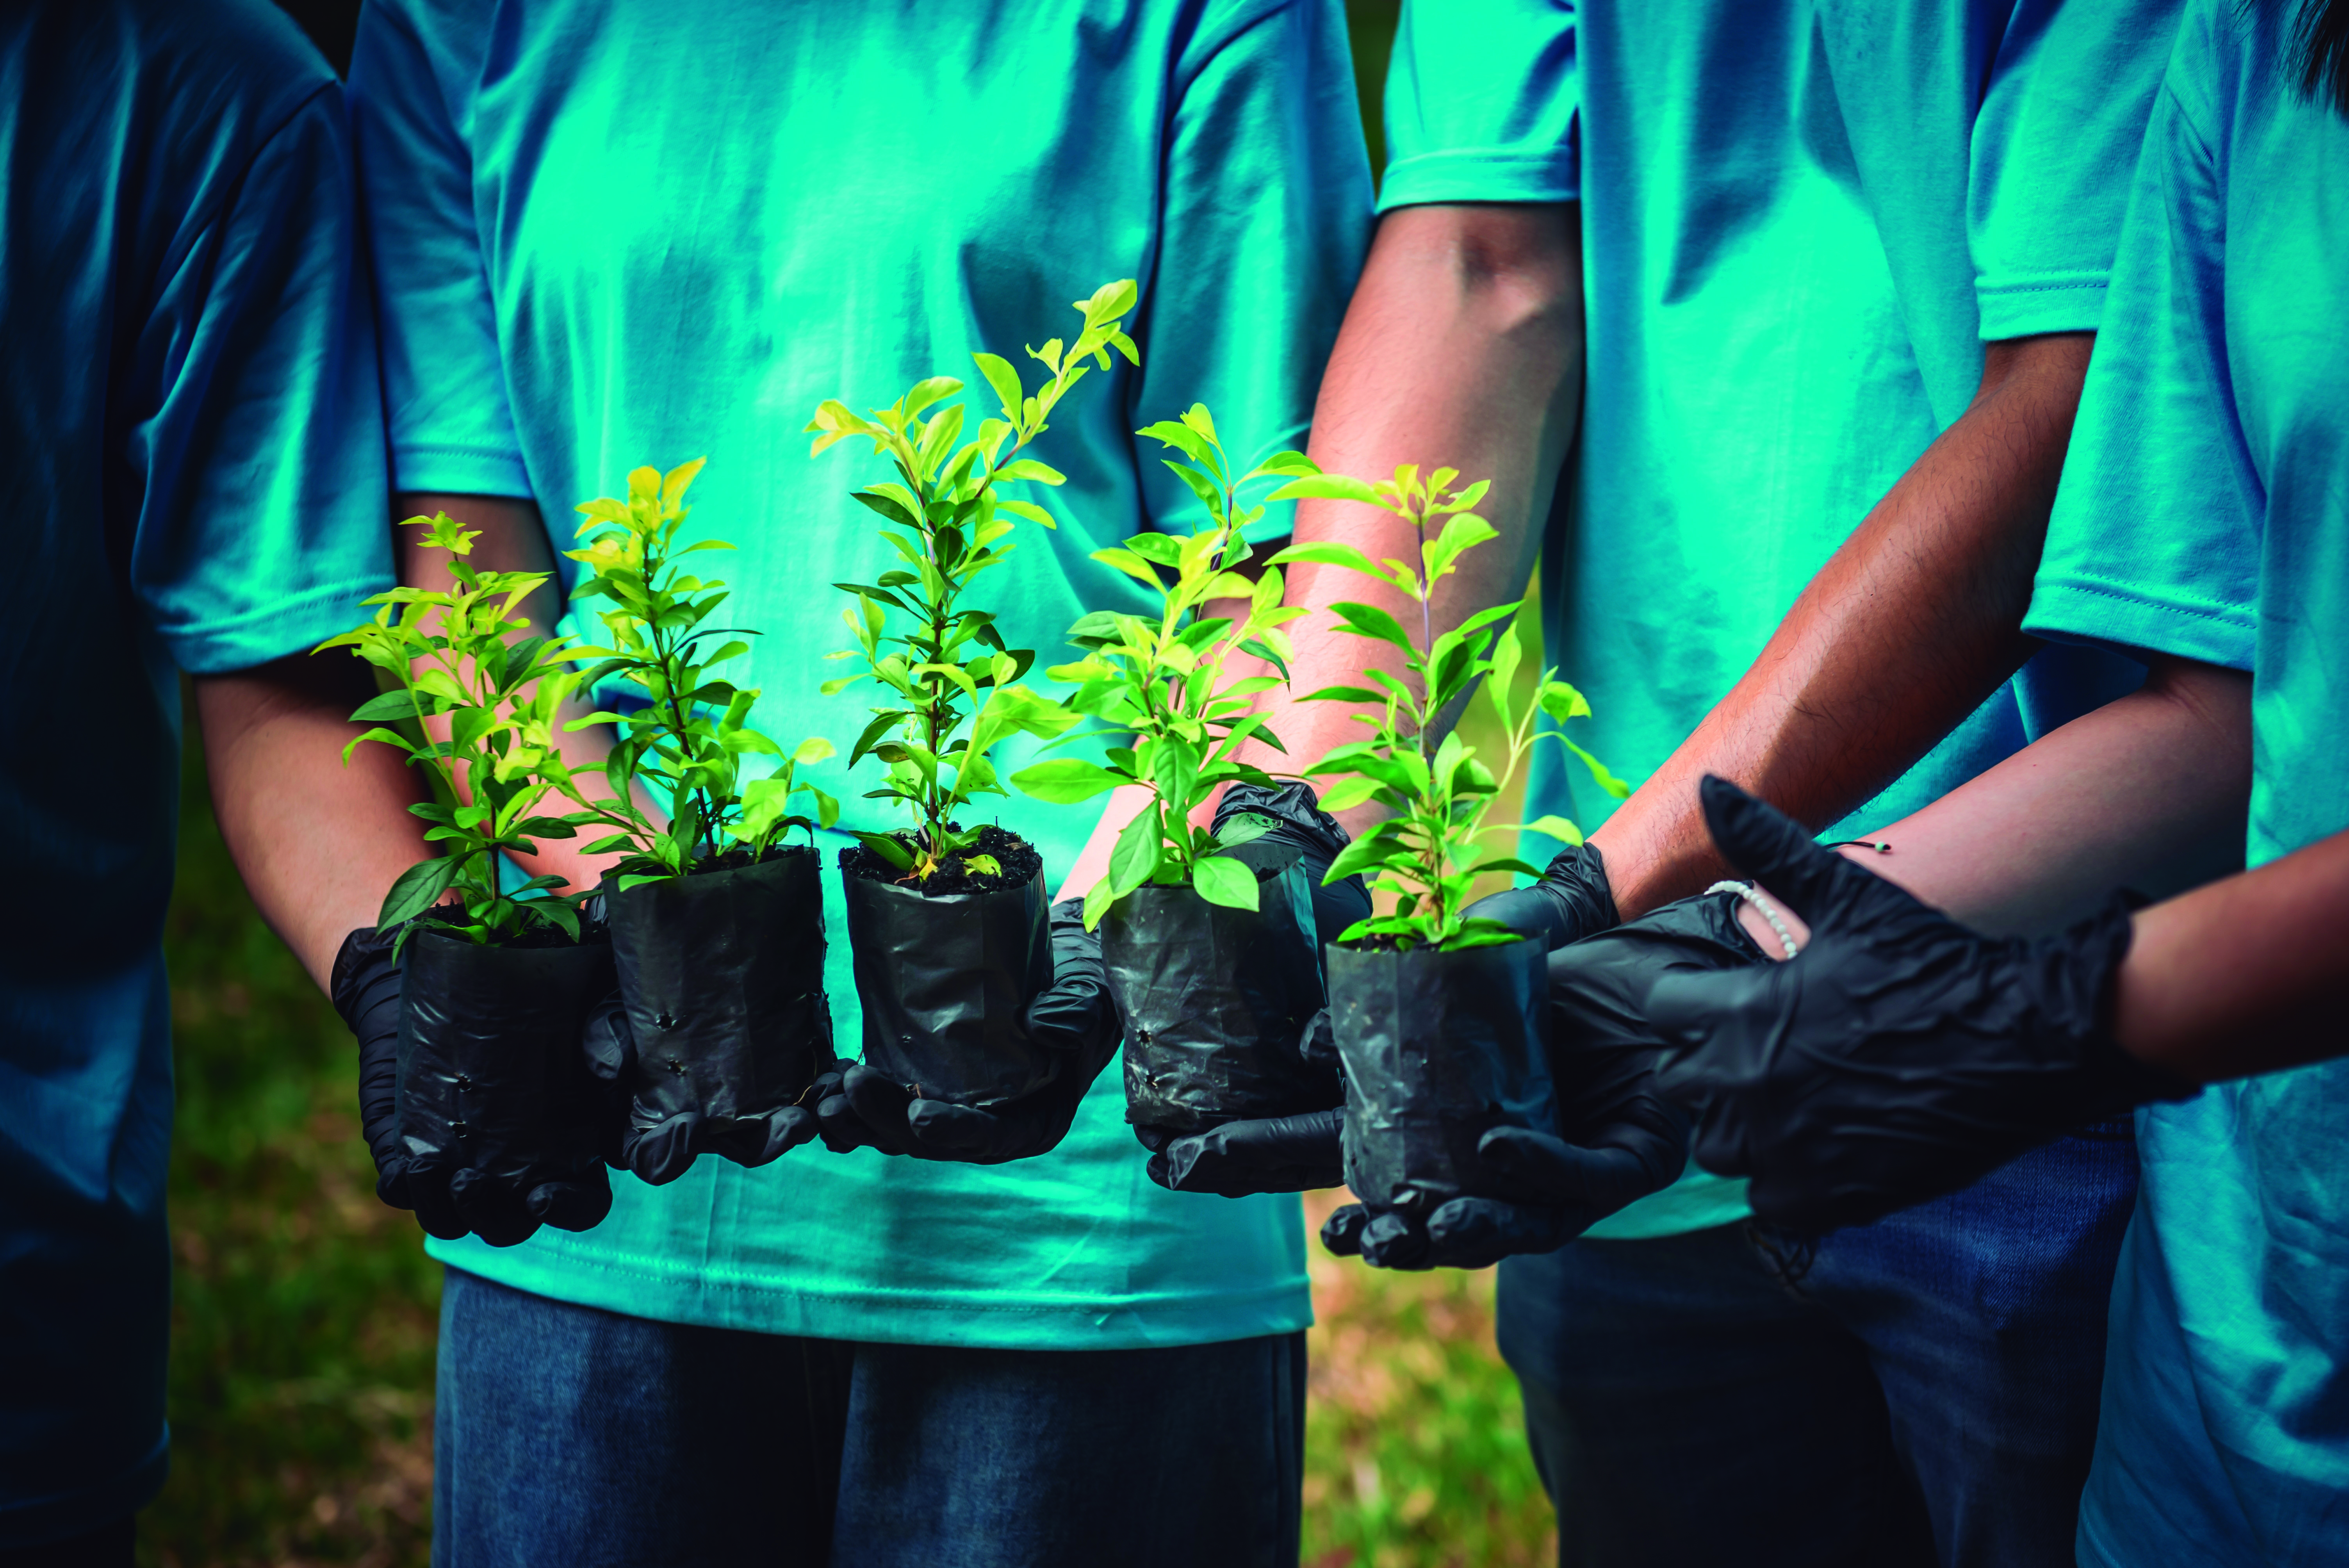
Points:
(2062, 118)
(444, 383)
(263, 522)
(1267, 220)
(2154, 541)
(1481, 102)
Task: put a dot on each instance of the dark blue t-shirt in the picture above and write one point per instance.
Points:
(192, 467)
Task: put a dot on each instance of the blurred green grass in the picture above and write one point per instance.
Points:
(304, 1310)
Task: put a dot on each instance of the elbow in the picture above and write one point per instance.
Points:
(1516, 268)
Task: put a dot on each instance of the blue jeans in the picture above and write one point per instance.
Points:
(575, 1437)
(1920, 1391)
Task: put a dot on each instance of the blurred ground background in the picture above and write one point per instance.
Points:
(304, 1310)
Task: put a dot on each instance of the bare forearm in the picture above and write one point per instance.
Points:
(318, 843)
(2148, 792)
(1908, 628)
(1462, 349)
(2245, 976)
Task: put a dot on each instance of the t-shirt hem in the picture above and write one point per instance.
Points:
(2072, 608)
(453, 469)
(1687, 1206)
(291, 626)
(642, 1287)
(2025, 307)
(1480, 174)
(39, 1522)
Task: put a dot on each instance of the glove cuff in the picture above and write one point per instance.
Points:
(1293, 806)
(2082, 994)
(362, 965)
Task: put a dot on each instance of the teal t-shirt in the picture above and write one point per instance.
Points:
(608, 235)
(1801, 220)
(2205, 513)
(192, 465)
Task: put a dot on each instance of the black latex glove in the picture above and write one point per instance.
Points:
(1281, 1153)
(660, 1149)
(858, 1108)
(449, 1197)
(1623, 1140)
(1570, 902)
(1901, 1055)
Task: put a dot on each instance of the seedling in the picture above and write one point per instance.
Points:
(450, 652)
(686, 745)
(1427, 852)
(1162, 682)
(947, 522)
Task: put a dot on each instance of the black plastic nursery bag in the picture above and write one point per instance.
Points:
(1438, 1047)
(1215, 1002)
(945, 983)
(722, 974)
(491, 1078)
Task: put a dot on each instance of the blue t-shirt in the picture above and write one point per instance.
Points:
(608, 235)
(1801, 219)
(2205, 513)
(191, 457)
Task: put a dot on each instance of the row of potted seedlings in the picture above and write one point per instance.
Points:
(710, 924)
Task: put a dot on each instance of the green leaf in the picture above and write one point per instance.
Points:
(1098, 899)
(1174, 773)
(1134, 859)
(1002, 379)
(1347, 793)
(1031, 470)
(1606, 781)
(890, 848)
(1242, 828)
(1558, 827)
(984, 865)
(1221, 879)
(1370, 850)
(1064, 781)
(1330, 553)
(418, 889)
(1369, 621)
(1325, 487)
(389, 705)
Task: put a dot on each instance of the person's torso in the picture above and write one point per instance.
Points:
(698, 221)
(2246, 1216)
(1781, 307)
(124, 128)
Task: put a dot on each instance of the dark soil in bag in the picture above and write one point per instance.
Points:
(945, 977)
(1214, 1003)
(721, 972)
(1438, 1047)
(491, 1075)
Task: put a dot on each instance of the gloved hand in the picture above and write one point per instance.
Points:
(1901, 1055)
(1281, 1153)
(858, 1108)
(1570, 902)
(448, 1196)
(658, 1148)
(1623, 1140)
